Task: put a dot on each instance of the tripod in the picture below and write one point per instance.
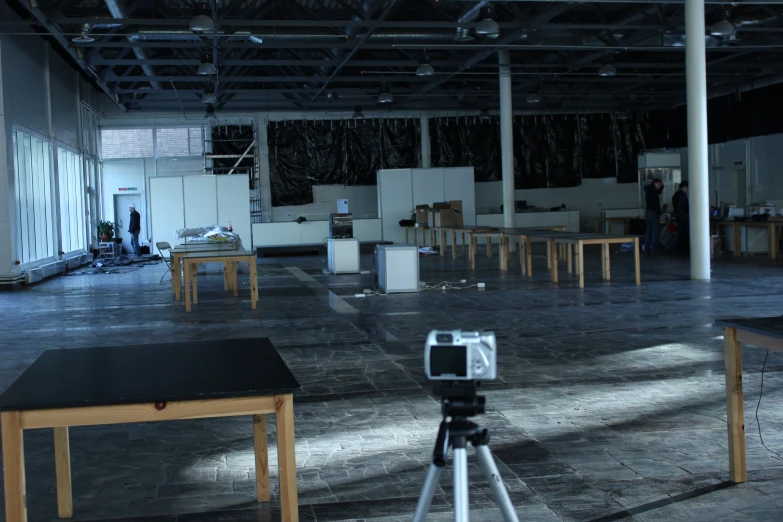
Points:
(460, 401)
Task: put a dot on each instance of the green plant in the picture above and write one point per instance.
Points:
(105, 229)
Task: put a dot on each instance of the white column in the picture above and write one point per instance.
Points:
(698, 151)
(507, 140)
(7, 201)
(426, 153)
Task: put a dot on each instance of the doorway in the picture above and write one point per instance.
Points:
(122, 219)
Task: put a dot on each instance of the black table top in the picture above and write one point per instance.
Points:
(769, 326)
(151, 373)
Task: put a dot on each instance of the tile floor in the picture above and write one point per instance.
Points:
(609, 406)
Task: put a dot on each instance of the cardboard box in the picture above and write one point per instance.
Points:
(446, 214)
(422, 215)
(456, 204)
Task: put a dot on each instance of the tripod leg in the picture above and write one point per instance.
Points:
(487, 463)
(427, 492)
(460, 482)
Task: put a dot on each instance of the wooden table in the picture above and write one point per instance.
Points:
(764, 332)
(424, 231)
(177, 252)
(736, 228)
(230, 259)
(520, 233)
(146, 383)
(577, 241)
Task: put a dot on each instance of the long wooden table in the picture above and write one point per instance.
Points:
(424, 231)
(764, 332)
(179, 251)
(577, 241)
(230, 259)
(736, 228)
(148, 383)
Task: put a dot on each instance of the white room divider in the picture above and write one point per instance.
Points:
(196, 201)
(400, 190)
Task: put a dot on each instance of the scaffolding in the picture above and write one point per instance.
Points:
(233, 149)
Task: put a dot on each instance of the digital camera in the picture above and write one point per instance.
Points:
(460, 356)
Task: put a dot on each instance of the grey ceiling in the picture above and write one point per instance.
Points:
(336, 54)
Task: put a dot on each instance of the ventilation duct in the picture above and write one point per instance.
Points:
(118, 11)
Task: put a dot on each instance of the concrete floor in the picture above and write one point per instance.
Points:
(609, 406)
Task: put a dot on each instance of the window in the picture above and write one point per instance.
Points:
(178, 142)
(126, 143)
(33, 194)
(73, 227)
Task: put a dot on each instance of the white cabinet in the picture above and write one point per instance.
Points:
(395, 202)
(397, 267)
(343, 256)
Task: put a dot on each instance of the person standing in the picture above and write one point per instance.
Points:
(135, 229)
(652, 200)
(681, 210)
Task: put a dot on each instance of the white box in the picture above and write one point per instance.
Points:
(343, 256)
(342, 206)
(397, 268)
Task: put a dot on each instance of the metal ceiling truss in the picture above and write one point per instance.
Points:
(330, 55)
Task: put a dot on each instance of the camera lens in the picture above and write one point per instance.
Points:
(442, 338)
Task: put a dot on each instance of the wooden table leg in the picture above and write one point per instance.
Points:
(463, 242)
(13, 466)
(62, 467)
(522, 256)
(187, 286)
(504, 253)
(226, 277)
(737, 240)
(454, 244)
(548, 255)
(489, 247)
(262, 457)
(286, 458)
(416, 236)
(732, 353)
(636, 261)
(773, 241)
(529, 256)
(605, 267)
(176, 277)
(406, 235)
(552, 247)
(173, 265)
(194, 275)
(234, 272)
(253, 284)
(580, 249)
(442, 242)
(473, 251)
(570, 257)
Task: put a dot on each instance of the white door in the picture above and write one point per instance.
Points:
(122, 219)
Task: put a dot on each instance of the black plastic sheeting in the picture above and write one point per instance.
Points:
(336, 152)
(549, 150)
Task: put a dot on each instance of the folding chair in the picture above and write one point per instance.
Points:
(164, 246)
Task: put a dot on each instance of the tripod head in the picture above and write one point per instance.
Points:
(460, 399)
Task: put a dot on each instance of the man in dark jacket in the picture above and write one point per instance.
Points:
(681, 210)
(135, 229)
(652, 200)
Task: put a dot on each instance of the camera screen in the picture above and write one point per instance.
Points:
(448, 360)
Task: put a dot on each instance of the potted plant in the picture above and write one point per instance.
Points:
(105, 231)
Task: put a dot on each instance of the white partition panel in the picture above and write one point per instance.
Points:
(200, 200)
(167, 209)
(427, 186)
(395, 202)
(314, 232)
(459, 183)
(367, 230)
(277, 234)
(233, 205)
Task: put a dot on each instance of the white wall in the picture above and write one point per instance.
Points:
(127, 173)
(39, 92)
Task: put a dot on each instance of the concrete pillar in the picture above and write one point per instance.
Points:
(698, 151)
(507, 140)
(7, 201)
(426, 154)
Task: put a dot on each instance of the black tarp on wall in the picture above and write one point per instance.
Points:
(336, 152)
(467, 141)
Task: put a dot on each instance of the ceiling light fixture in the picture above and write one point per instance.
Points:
(256, 38)
(357, 113)
(484, 114)
(487, 26)
(210, 115)
(425, 69)
(331, 95)
(202, 23)
(84, 38)
(386, 96)
(207, 68)
(209, 97)
(533, 98)
(607, 70)
(723, 28)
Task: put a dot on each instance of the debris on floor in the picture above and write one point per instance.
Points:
(119, 265)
